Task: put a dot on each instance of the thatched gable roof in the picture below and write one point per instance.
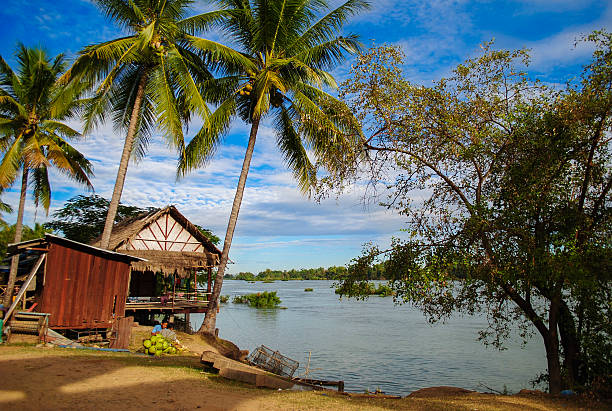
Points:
(166, 239)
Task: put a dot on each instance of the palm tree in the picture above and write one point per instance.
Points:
(32, 134)
(146, 80)
(4, 208)
(279, 71)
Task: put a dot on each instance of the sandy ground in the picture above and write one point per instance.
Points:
(55, 378)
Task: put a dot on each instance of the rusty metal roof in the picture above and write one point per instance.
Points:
(51, 238)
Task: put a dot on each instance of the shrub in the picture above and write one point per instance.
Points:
(260, 300)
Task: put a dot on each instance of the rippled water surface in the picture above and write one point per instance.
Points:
(374, 344)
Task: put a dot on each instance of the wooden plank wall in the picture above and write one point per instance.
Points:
(122, 330)
(82, 290)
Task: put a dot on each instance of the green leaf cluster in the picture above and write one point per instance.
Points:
(505, 185)
(82, 217)
(7, 234)
(33, 135)
(266, 299)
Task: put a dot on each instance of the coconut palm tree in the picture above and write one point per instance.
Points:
(4, 208)
(33, 137)
(278, 72)
(147, 80)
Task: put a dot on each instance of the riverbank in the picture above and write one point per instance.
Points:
(55, 378)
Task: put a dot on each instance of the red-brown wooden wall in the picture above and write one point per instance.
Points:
(82, 290)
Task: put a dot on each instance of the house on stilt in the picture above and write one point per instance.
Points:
(77, 287)
(174, 277)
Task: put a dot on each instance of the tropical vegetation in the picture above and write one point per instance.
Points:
(33, 134)
(505, 184)
(82, 218)
(277, 72)
(376, 272)
(266, 299)
(150, 79)
(7, 235)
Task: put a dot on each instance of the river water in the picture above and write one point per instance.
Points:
(374, 344)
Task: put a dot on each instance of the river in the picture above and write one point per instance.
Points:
(374, 344)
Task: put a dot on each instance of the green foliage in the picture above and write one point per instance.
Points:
(82, 217)
(7, 235)
(363, 290)
(259, 300)
(4, 208)
(376, 272)
(224, 299)
(308, 290)
(278, 70)
(209, 234)
(156, 47)
(33, 135)
(505, 185)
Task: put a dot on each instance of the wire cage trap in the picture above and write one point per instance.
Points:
(273, 361)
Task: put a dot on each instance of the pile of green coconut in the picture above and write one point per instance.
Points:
(159, 345)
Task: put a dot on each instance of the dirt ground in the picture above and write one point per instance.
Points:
(56, 378)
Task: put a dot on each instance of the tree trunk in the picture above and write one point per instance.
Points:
(551, 343)
(18, 231)
(571, 346)
(123, 164)
(210, 319)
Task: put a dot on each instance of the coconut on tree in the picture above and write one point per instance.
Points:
(277, 73)
(33, 135)
(149, 80)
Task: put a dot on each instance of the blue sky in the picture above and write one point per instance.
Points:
(279, 228)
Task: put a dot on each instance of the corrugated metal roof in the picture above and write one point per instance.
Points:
(51, 238)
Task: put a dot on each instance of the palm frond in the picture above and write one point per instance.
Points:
(41, 187)
(294, 153)
(161, 88)
(329, 54)
(96, 61)
(69, 160)
(224, 57)
(60, 128)
(11, 162)
(202, 22)
(204, 144)
(126, 14)
(328, 26)
(180, 70)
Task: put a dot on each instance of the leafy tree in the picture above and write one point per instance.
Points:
(505, 184)
(209, 234)
(149, 79)
(32, 135)
(278, 71)
(82, 217)
(7, 235)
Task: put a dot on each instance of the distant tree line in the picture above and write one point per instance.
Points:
(376, 272)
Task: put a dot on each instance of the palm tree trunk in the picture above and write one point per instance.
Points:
(123, 164)
(210, 318)
(18, 231)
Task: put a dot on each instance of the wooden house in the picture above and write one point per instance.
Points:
(80, 286)
(175, 275)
